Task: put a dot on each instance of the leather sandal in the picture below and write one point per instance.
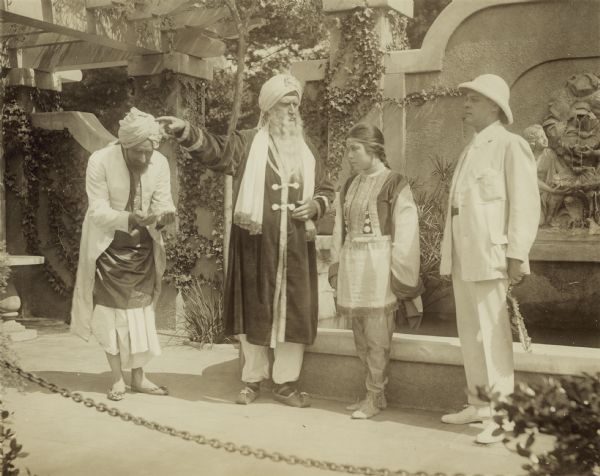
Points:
(295, 398)
(248, 394)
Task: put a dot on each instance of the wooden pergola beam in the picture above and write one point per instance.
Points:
(12, 30)
(80, 55)
(33, 40)
(197, 17)
(192, 42)
(103, 4)
(50, 35)
(158, 8)
(148, 65)
(85, 127)
(74, 20)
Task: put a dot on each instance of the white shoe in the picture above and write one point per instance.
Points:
(469, 414)
(381, 403)
(369, 408)
(355, 406)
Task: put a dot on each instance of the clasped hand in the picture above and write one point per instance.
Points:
(140, 218)
(305, 211)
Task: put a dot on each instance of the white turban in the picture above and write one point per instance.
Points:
(275, 88)
(138, 126)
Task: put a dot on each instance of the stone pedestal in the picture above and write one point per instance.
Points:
(10, 302)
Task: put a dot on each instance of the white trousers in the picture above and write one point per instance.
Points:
(287, 361)
(484, 332)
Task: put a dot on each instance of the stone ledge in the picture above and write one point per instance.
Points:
(544, 359)
(556, 245)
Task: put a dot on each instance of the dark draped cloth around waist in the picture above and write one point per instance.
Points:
(125, 274)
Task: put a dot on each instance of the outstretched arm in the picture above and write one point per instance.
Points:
(214, 151)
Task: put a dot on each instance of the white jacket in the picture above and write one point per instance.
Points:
(499, 206)
(107, 187)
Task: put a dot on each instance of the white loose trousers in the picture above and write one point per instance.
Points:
(483, 328)
(287, 362)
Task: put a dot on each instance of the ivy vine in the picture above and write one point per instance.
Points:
(198, 188)
(51, 164)
(354, 79)
(360, 61)
(43, 172)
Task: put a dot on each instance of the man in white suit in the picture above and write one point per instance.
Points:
(492, 221)
(122, 255)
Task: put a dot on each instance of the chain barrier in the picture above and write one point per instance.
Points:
(215, 443)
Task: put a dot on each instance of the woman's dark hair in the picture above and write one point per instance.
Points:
(372, 139)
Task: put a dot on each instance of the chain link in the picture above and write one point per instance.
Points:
(215, 443)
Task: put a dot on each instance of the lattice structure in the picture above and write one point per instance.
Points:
(43, 37)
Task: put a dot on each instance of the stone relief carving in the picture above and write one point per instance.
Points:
(567, 151)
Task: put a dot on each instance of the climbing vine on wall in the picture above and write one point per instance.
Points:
(354, 79)
(197, 187)
(353, 88)
(45, 164)
(359, 61)
(50, 164)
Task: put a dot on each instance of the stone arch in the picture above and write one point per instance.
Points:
(430, 56)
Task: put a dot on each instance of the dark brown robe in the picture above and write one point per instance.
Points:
(253, 259)
(125, 273)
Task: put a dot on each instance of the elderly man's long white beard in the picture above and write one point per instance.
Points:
(288, 137)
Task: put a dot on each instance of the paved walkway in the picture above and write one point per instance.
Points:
(64, 438)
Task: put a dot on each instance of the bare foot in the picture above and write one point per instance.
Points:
(139, 380)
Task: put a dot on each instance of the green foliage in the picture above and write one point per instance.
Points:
(52, 166)
(203, 313)
(10, 449)
(4, 267)
(45, 164)
(565, 411)
(292, 30)
(425, 12)
(360, 61)
(432, 201)
(103, 92)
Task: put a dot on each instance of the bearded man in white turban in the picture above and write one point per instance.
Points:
(279, 188)
(122, 256)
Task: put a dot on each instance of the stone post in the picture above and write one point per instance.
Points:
(159, 87)
(389, 118)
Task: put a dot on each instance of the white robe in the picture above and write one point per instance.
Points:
(107, 187)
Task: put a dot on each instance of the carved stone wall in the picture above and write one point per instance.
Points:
(536, 46)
